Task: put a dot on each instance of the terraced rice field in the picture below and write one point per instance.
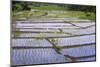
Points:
(42, 42)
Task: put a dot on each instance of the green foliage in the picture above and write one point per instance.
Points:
(16, 34)
(40, 36)
(73, 11)
(53, 40)
(57, 48)
(18, 5)
(84, 8)
(89, 15)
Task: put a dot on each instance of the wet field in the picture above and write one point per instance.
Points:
(39, 42)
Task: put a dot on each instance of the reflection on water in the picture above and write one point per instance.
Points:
(76, 41)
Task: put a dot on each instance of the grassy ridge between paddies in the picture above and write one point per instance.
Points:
(25, 15)
(48, 7)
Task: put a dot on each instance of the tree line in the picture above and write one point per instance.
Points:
(22, 5)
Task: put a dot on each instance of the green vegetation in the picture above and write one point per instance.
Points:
(33, 10)
(57, 48)
(55, 42)
(49, 7)
(16, 34)
(40, 36)
(41, 14)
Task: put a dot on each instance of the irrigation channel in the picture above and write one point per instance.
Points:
(44, 42)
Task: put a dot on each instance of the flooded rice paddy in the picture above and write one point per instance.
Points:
(52, 42)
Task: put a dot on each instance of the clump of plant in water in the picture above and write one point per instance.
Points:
(60, 32)
(53, 40)
(16, 33)
(40, 36)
